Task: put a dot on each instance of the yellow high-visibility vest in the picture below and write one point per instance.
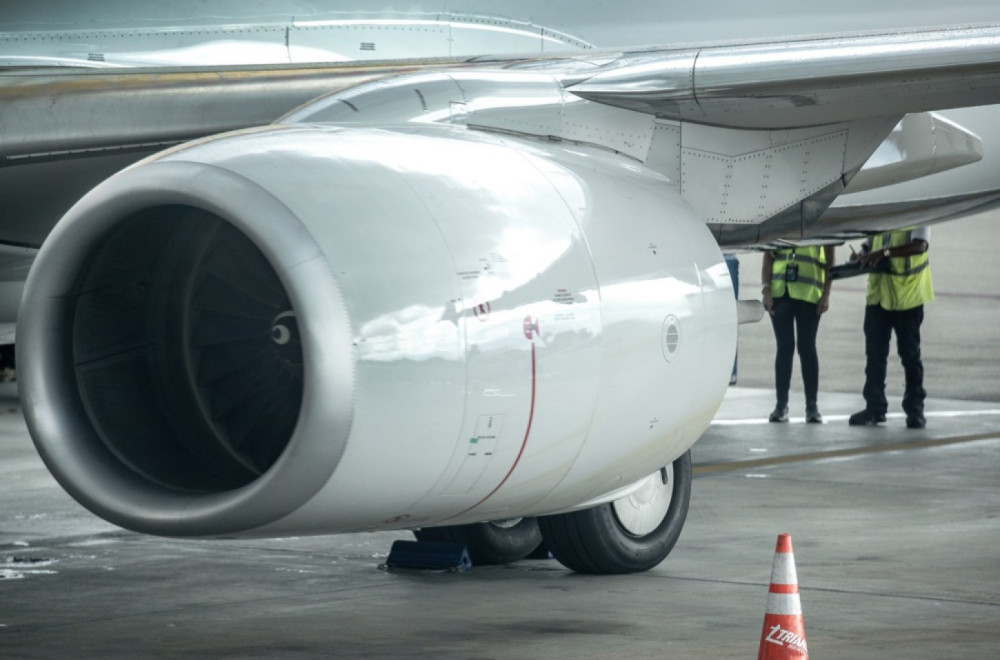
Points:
(810, 273)
(908, 282)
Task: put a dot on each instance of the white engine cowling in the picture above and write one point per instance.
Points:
(307, 329)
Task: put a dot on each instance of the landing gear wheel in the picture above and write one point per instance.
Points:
(496, 542)
(629, 535)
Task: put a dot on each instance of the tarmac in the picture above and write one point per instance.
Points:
(895, 532)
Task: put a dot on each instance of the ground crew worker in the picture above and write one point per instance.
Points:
(895, 303)
(796, 293)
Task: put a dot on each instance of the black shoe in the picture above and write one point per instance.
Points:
(780, 413)
(812, 415)
(866, 418)
(915, 422)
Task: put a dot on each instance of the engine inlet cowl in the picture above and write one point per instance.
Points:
(175, 364)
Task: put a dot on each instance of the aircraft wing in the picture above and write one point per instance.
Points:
(825, 81)
(804, 83)
(76, 127)
(66, 130)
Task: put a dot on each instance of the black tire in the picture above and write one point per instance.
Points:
(596, 541)
(499, 542)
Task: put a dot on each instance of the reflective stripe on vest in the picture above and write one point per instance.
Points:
(908, 284)
(810, 277)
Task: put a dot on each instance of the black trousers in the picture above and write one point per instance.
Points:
(795, 322)
(7, 356)
(879, 326)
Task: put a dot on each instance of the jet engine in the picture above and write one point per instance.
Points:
(311, 329)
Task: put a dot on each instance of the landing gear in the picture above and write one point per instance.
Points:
(496, 542)
(629, 535)
(626, 536)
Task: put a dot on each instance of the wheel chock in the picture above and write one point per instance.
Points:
(429, 556)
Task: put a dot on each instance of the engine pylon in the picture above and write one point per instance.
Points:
(784, 633)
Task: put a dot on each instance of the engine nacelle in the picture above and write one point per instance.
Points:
(309, 329)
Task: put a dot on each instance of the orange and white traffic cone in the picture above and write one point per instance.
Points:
(784, 634)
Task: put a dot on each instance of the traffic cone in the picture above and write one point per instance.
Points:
(784, 634)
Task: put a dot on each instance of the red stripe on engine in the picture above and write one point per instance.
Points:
(524, 442)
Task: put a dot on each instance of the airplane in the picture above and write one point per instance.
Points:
(478, 295)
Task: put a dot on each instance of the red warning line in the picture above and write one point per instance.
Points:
(524, 442)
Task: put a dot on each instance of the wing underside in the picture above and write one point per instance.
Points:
(812, 111)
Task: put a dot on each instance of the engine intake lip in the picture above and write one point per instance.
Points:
(55, 411)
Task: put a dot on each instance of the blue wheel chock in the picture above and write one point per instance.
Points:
(429, 556)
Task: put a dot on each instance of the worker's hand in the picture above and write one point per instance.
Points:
(869, 259)
(857, 256)
(768, 302)
(823, 305)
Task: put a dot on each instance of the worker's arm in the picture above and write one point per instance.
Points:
(765, 277)
(824, 299)
(916, 246)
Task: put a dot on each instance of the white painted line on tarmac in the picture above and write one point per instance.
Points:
(906, 445)
(843, 418)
